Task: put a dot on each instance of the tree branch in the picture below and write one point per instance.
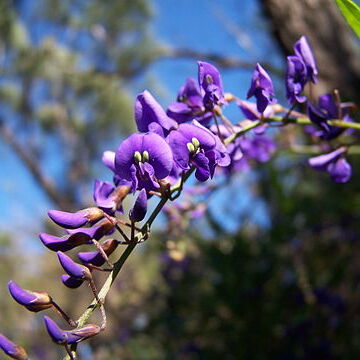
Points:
(45, 183)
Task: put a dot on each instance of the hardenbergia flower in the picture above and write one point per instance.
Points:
(335, 164)
(262, 88)
(143, 159)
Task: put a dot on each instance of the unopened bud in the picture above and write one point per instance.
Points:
(33, 300)
(75, 270)
(95, 257)
(14, 351)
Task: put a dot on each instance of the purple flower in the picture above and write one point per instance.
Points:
(194, 145)
(63, 337)
(150, 116)
(295, 79)
(138, 212)
(75, 220)
(75, 270)
(14, 351)
(189, 104)
(71, 282)
(304, 52)
(335, 164)
(95, 257)
(328, 109)
(33, 300)
(211, 85)
(262, 88)
(143, 159)
(259, 148)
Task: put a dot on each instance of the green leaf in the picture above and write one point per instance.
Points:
(351, 13)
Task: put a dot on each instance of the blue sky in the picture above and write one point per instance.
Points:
(229, 27)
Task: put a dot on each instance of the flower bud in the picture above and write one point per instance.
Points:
(14, 351)
(59, 336)
(71, 282)
(102, 228)
(62, 337)
(75, 220)
(138, 212)
(72, 268)
(33, 300)
(55, 243)
(95, 257)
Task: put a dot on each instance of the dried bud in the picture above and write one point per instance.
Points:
(33, 300)
(86, 331)
(75, 270)
(138, 212)
(95, 257)
(71, 282)
(14, 351)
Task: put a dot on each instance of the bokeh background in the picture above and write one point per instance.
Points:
(270, 270)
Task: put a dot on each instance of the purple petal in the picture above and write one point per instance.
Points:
(180, 112)
(138, 212)
(190, 93)
(68, 220)
(102, 195)
(124, 157)
(340, 171)
(303, 50)
(11, 349)
(262, 88)
(72, 268)
(295, 79)
(207, 70)
(71, 282)
(321, 162)
(148, 110)
(58, 335)
(202, 167)
(108, 159)
(160, 155)
(328, 103)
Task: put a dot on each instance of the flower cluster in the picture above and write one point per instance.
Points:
(192, 135)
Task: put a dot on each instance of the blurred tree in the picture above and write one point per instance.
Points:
(63, 84)
(336, 49)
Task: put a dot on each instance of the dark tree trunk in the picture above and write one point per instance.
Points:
(335, 47)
